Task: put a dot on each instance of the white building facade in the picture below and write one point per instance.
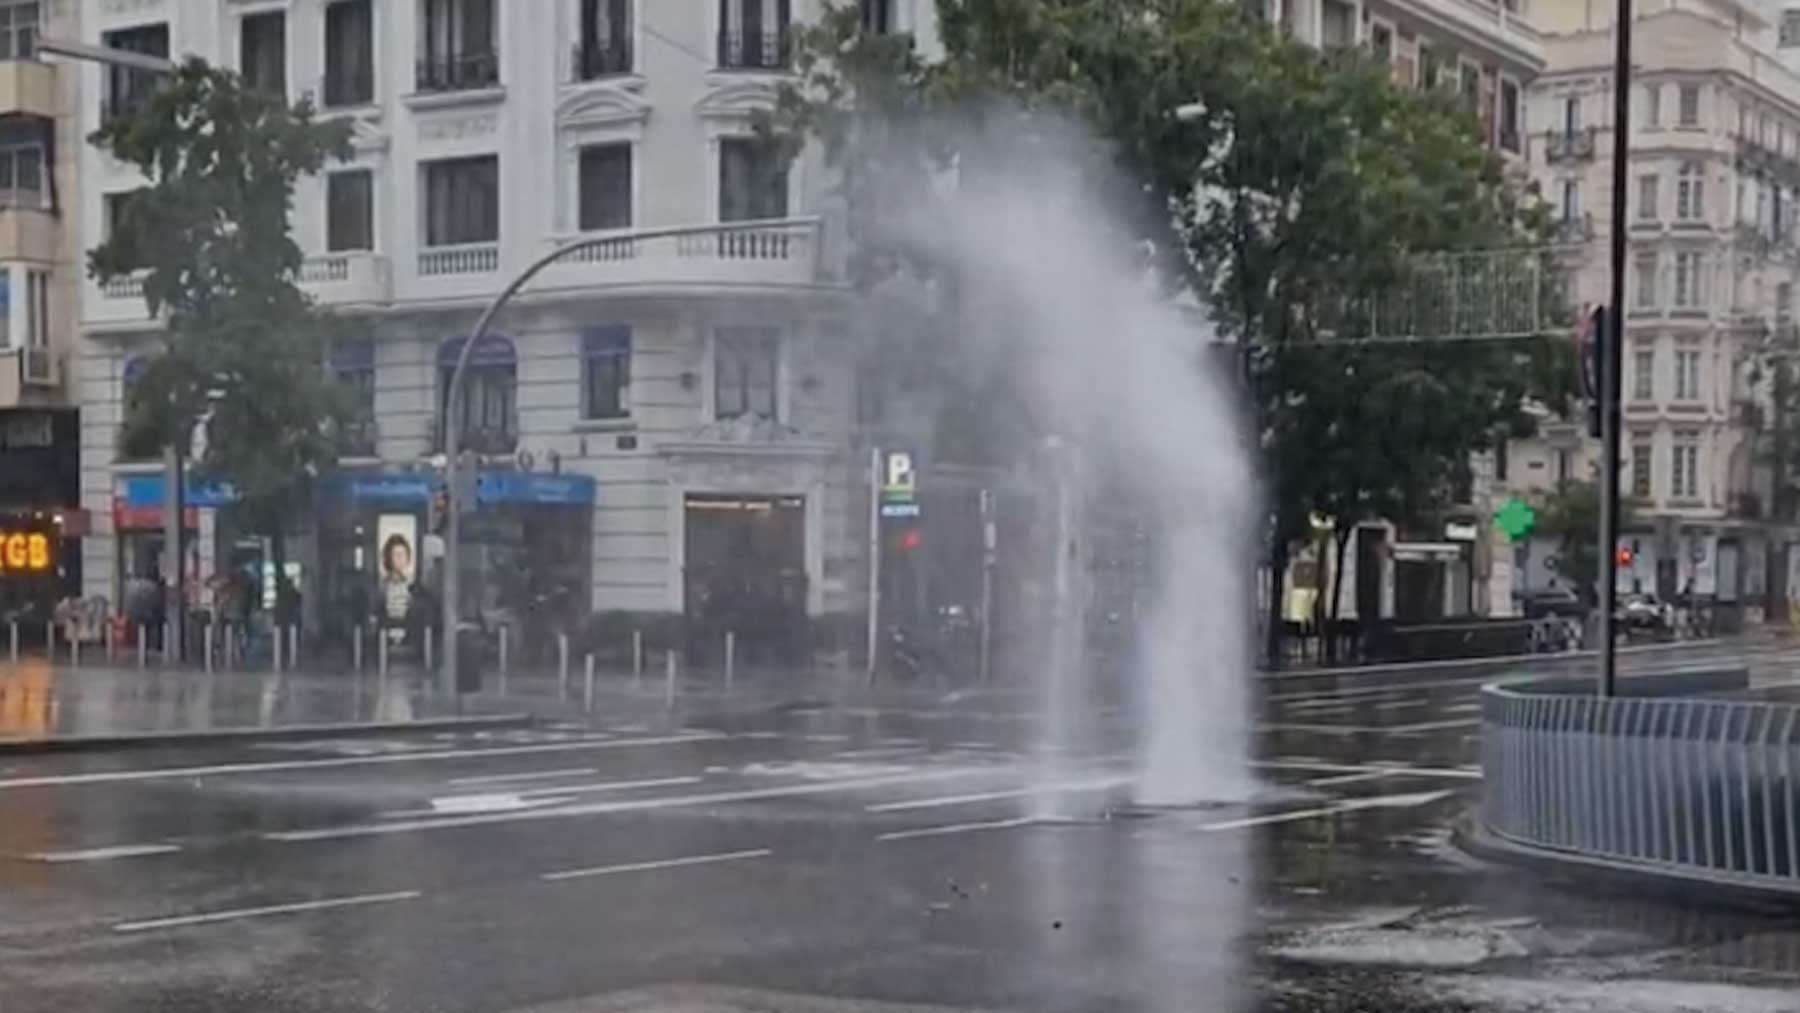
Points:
(657, 419)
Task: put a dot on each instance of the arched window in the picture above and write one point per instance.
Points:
(490, 387)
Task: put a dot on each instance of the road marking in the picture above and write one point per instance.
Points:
(974, 745)
(1390, 767)
(1501, 660)
(1394, 705)
(576, 789)
(880, 751)
(173, 773)
(826, 737)
(1345, 730)
(1347, 805)
(104, 854)
(955, 828)
(1434, 726)
(1464, 708)
(1325, 782)
(626, 805)
(273, 909)
(667, 863)
(530, 775)
(991, 796)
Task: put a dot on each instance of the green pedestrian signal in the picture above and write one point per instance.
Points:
(1516, 518)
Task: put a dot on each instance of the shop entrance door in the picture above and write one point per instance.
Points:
(745, 572)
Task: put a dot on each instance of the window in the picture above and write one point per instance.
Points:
(21, 172)
(1563, 466)
(605, 186)
(1381, 42)
(115, 211)
(1690, 193)
(745, 367)
(1784, 304)
(353, 363)
(1689, 286)
(126, 86)
(1509, 115)
(606, 373)
(1687, 374)
(19, 24)
(1501, 461)
(1646, 282)
(457, 46)
(350, 210)
(489, 410)
(1653, 105)
(1640, 469)
(462, 201)
(753, 34)
(349, 53)
(262, 52)
(1789, 33)
(1685, 461)
(753, 181)
(1571, 200)
(605, 46)
(1688, 115)
(1571, 114)
(1648, 185)
(1643, 375)
(878, 16)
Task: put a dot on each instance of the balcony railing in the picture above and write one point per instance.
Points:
(354, 87)
(756, 50)
(601, 59)
(480, 439)
(1575, 229)
(1569, 145)
(459, 72)
(127, 286)
(784, 254)
(358, 439)
(37, 367)
(348, 277)
(24, 199)
(469, 258)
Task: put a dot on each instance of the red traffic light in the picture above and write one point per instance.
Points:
(1625, 556)
(911, 540)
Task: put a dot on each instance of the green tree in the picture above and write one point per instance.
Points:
(1298, 193)
(241, 367)
(1569, 516)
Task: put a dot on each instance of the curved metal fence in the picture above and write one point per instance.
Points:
(1692, 785)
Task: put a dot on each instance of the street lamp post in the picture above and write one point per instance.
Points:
(1612, 348)
(453, 402)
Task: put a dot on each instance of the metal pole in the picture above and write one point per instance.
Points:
(143, 644)
(75, 649)
(587, 689)
(874, 631)
(174, 552)
(669, 683)
(562, 665)
(106, 634)
(206, 642)
(293, 655)
(50, 639)
(356, 649)
(13, 639)
(275, 645)
(730, 658)
(453, 390)
(637, 656)
(1612, 356)
(381, 654)
(505, 658)
(989, 541)
(427, 645)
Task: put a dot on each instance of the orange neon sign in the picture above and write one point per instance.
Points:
(24, 552)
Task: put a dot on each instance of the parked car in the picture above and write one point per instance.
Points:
(1553, 601)
(1643, 613)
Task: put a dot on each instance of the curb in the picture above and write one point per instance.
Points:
(213, 736)
(1668, 882)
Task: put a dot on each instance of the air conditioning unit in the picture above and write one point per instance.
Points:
(39, 367)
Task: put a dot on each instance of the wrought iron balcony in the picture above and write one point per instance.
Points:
(459, 71)
(1569, 145)
(755, 50)
(603, 58)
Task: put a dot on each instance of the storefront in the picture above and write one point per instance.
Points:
(40, 524)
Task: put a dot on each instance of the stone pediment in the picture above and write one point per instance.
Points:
(737, 99)
(367, 137)
(600, 106)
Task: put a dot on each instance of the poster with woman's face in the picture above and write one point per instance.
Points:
(396, 536)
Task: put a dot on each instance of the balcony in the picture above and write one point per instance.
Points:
(1569, 145)
(1575, 229)
(28, 87)
(348, 279)
(459, 72)
(782, 255)
(467, 258)
(608, 58)
(25, 371)
(348, 88)
(756, 50)
(485, 440)
(27, 230)
(1757, 158)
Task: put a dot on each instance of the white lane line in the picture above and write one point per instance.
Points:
(627, 805)
(530, 775)
(273, 909)
(103, 854)
(667, 863)
(974, 745)
(1394, 705)
(1390, 767)
(880, 751)
(1325, 782)
(1498, 661)
(1347, 805)
(1434, 726)
(826, 737)
(1464, 708)
(955, 828)
(580, 789)
(992, 796)
(176, 773)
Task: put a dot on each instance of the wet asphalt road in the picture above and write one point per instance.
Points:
(867, 858)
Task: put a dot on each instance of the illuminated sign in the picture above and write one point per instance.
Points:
(899, 485)
(24, 552)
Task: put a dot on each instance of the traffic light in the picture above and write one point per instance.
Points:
(1593, 365)
(910, 540)
(1625, 556)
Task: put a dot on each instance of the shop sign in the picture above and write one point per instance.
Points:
(1459, 531)
(394, 488)
(23, 430)
(899, 485)
(127, 517)
(524, 487)
(25, 552)
(147, 491)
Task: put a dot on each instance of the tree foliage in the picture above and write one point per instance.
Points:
(1568, 516)
(241, 367)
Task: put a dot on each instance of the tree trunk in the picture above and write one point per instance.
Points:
(1340, 537)
(1278, 560)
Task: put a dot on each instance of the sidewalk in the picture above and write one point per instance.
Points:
(47, 707)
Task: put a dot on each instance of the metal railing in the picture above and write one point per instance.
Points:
(757, 50)
(353, 87)
(1569, 145)
(459, 71)
(600, 59)
(466, 258)
(1692, 786)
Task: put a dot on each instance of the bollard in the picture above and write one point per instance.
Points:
(730, 658)
(669, 688)
(50, 640)
(356, 649)
(505, 657)
(429, 638)
(381, 654)
(168, 639)
(637, 657)
(562, 666)
(206, 638)
(106, 634)
(14, 639)
(230, 650)
(587, 691)
(275, 646)
(293, 654)
(75, 650)
(143, 645)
